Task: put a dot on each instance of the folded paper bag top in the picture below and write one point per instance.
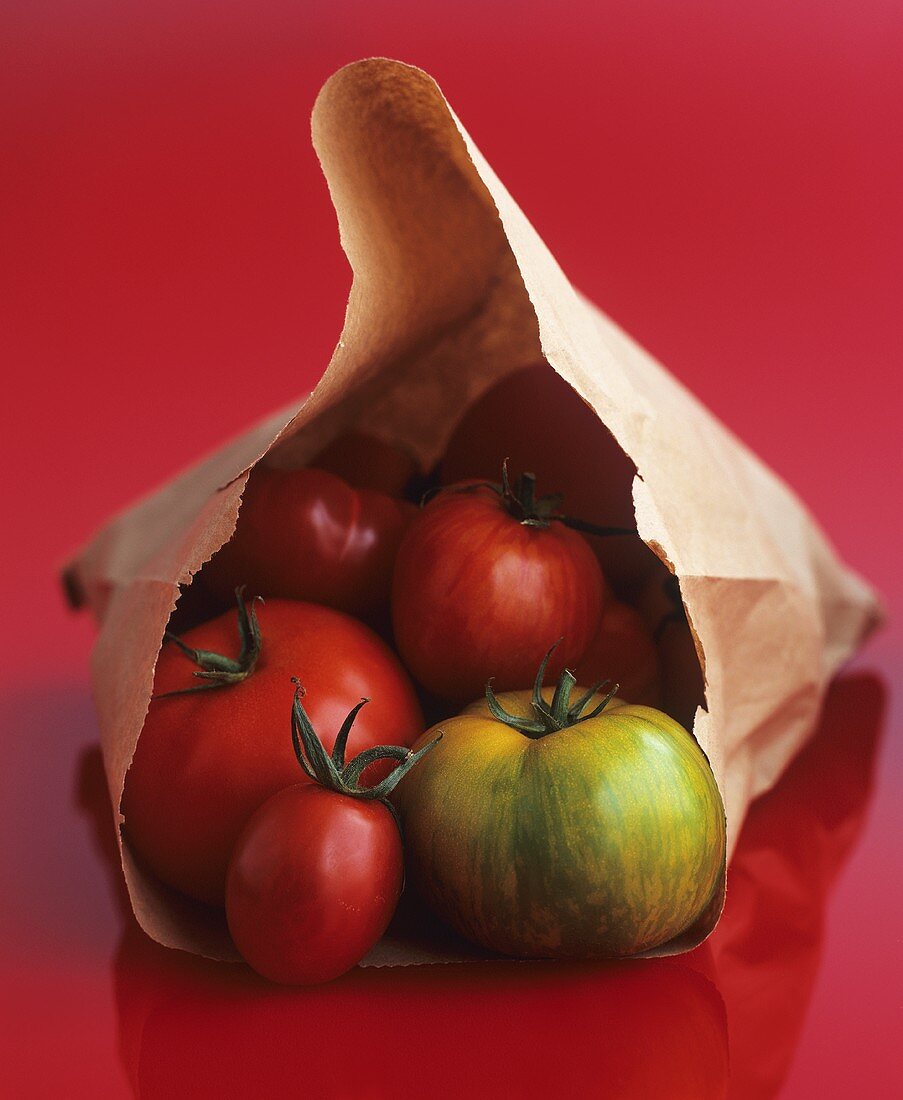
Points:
(452, 290)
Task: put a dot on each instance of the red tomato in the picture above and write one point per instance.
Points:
(366, 462)
(313, 883)
(539, 423)
(206, 761)
(623, 651)
(307, 535)
(317, 872)
(478, 593)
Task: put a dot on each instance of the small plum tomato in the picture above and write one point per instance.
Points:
(317, 872)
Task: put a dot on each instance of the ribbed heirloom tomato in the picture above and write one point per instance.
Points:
(207, 759)
(549, 828)
(485, 577)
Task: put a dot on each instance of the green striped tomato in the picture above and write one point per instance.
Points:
(604, 838)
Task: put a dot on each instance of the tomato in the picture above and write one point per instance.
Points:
(307, 535)
(317, 872)
(537, 421)
(206, 760)
(682, 680)
(366, 462)
(483, 584)
(624, 653)
(313, 883)
(572, 833)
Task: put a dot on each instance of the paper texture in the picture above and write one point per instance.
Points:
(453, 289)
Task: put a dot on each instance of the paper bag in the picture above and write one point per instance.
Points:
(453, 289)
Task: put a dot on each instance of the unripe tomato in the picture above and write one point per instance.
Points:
(565, 836)
(480, 591)
(307, 535)
(207, 759)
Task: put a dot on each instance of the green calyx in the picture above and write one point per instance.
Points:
(215, 669)
(561, 712)
(521, 502)
(331, 770)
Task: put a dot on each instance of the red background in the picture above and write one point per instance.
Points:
(723, 179)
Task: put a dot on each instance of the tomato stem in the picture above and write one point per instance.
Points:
(521, 502)
(560, 713)
(216, 669)
(332, 772)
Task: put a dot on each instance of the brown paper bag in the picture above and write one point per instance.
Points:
(452, 290)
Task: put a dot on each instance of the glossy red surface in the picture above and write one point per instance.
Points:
(726, 181)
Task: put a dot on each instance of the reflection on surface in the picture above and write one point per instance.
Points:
(796, 839)
(645, 1029)
(721, 1021)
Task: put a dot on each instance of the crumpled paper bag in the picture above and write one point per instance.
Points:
(454, 289)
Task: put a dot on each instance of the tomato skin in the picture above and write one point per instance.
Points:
(308, 535)
(476, 594)
(312, 884)
(535, 420)
(624, 653)
(206, 761)
(604, 839)
(365, 462)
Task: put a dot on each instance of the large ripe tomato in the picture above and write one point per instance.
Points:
(317, 872)
(569, 833)
(624, 653)
(539, 423)
(206, 760)
(482, 586)
(307, 535)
